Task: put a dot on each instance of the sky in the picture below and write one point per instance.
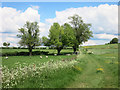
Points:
(102, 15)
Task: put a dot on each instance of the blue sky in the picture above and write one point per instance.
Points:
(102, 16)
(47, 10)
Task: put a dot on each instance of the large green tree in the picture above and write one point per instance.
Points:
(60, 36)
(55, 35)
(81, 31)
(29, 35)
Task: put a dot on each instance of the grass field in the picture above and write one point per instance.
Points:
(97, 70)
(26, 50)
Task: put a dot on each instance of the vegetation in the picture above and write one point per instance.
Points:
(6, 44)
(81, 31)
(45, 41)
(114, 41)
(61, 36)
(96, 70)
(93, 66)
(29, 35)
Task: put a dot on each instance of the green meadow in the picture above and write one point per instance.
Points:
(94, 67)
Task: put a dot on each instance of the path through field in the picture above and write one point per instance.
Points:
(89, 78)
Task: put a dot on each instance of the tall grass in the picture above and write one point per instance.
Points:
(48, 74)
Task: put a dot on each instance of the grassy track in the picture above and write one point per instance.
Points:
(89, 78)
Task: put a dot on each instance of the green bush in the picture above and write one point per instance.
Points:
(114, 41)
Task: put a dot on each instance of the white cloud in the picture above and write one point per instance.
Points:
(13, 19)
(105, 36)
(102, 39)
(95, 42)
(35, 7)
(103, 18)
(89, 42)
(9, 37)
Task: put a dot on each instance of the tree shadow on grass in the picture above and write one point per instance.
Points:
(33, 53)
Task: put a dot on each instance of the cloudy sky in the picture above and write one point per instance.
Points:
(102, 15)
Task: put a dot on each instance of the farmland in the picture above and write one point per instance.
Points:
(95, 70)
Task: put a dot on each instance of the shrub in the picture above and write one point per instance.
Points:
(114, 40)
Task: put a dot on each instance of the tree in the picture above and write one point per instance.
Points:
(68, 36)
(81, 31)
(45, 41)
(114, 41)
(60, 36)
(6, 44)
(29, 35)
(55, 35)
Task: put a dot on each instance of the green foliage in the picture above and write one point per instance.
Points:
(114, 41)
(55, 35)
(29, 35)
(81, 30)
(6, 44)
(61, 36)
(45, 41)
(68, 36)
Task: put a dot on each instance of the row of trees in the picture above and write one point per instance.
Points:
(71, 34)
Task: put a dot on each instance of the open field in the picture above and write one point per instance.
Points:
(97, 70)
(13, 52)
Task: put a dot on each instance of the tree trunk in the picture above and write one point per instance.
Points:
(30, 51)
(74, 48)
(59, 49)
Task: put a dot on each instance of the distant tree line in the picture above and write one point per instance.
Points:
(114, 41)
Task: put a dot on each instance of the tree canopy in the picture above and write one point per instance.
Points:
(29, 35)
(6, 44)
(60, 36)
(45, 41)
(81, 30)
(73, 34)
(114, 41)
(55, 35)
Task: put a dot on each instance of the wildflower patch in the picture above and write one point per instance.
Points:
(14, 76)
(99, 70)
(77, 68)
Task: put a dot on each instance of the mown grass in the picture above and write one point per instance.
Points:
(107, 60)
